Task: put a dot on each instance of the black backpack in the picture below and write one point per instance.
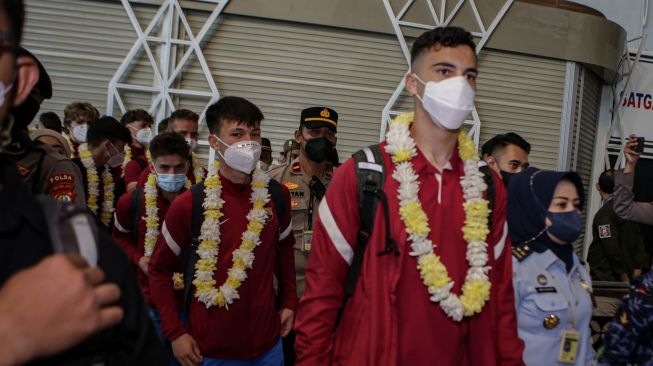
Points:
(370, 177)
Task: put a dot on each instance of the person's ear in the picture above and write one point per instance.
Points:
(410, 84)
(27, 77)
(491, 161)
(298, 136)
(214, 143)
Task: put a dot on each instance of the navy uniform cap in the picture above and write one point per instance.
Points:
(316, 117)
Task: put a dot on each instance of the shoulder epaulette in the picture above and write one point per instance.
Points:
(522, 252)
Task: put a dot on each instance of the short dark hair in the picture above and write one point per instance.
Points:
(443, 36)
(15, 12)
(169, 143)
(136, 115)
(51, 121)
(183, 114)
(235, 109)
(606, 181)
(107, 128)
(491, 146)
(163, 125)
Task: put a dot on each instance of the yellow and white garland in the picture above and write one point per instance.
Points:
(476, 289)
(128, 158)
(198, 171)
(151, 215)
(243, 257)
(93, 182)
(152, 225)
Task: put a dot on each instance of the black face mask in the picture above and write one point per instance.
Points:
(506, 176)
(318, 149)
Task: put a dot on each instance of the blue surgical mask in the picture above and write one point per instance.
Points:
(171, 182)
(565, 226)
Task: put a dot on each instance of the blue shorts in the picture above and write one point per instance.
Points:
(272, 357)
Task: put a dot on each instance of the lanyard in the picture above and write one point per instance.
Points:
(310, 211)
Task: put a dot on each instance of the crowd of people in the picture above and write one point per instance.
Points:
(120, 245)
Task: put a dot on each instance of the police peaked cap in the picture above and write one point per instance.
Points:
(316, 117)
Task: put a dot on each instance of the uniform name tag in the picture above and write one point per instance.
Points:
(307, 239)
(569, 346)
(546, 289)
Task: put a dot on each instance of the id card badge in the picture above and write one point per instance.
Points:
(307, 239)
(569, 346)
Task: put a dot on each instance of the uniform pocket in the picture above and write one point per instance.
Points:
(549, 302)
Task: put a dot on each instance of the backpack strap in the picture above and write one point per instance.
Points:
(490, 192)
(370, 177)
(188, 255)
(278, 198)
(135, 212)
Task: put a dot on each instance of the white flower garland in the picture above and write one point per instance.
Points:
(476, 289)
(243, 257)
(93, 182)
(151, 215)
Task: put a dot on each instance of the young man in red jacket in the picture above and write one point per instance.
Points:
(435, 282)
(241, 232)
(136, 229)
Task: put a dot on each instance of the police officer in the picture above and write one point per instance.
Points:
(44, 169)
(306, 177)
(290, 152)
(617, 251)
(552, 288)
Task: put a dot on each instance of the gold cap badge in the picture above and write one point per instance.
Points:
(325, 113)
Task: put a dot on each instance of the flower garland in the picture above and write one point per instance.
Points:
(93, 182)
(476, 289)
(128, 158)
(151, 215)
(70, 144)
(198, 172)
(243, 257)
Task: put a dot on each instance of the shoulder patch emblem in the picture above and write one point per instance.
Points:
(604, 231)
(62, 187)
(522, 252)
(291, 185)
(23, 170)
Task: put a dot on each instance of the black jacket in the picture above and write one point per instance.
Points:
(24, 241)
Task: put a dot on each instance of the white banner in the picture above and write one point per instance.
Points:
(636, 111)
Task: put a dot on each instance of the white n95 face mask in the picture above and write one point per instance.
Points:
(144, 135)
(448, 102)
(80, 132)
(241, 156)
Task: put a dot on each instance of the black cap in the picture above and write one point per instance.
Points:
(316, 117)
(44, 84)
(290, 145)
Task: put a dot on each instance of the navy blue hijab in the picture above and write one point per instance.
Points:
(529, 195)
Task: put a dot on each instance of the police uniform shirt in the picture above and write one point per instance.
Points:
(546, 298)
(45, 171)
(297, 182)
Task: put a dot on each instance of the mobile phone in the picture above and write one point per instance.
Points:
(639, 148)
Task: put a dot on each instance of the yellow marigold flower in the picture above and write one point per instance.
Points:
(220, 300)
(233, 282)
(178, 280)
(259, 204)
(476, 209)
(208, 244)
(401, 155)
(238, 264)
(213, 214)
(247, 245)
(203, 286)
(255, 227)
(151, 222)
(414, 218)
(466, 147)
(205, 265)
(475, 295)
(258, 184)
(404, 119)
